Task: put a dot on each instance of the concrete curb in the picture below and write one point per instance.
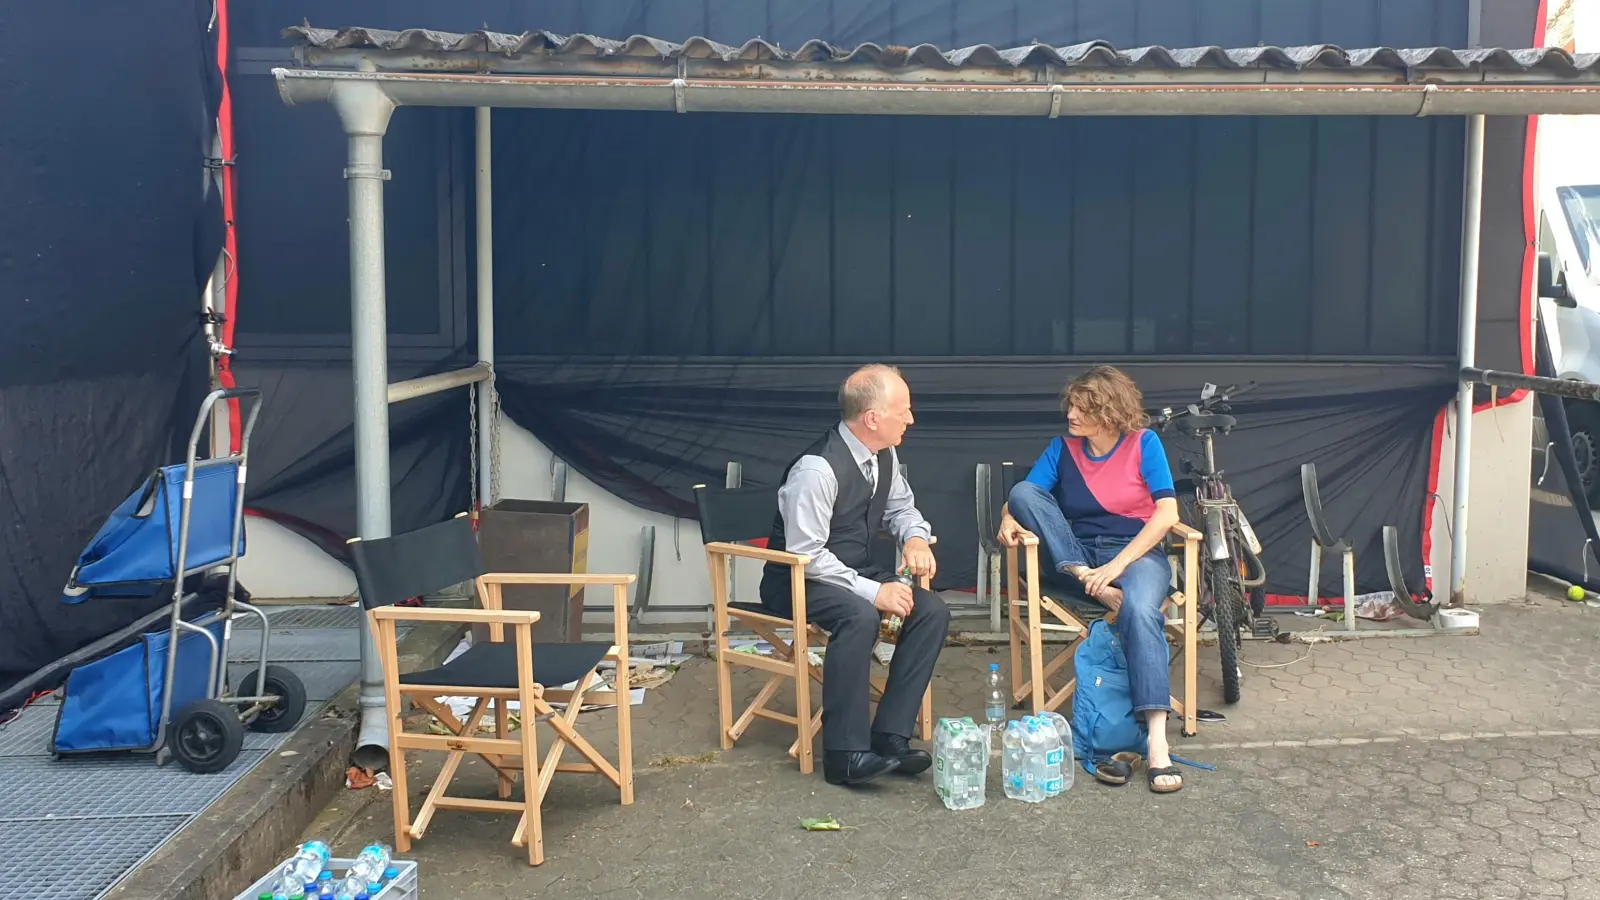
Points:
(245, 832)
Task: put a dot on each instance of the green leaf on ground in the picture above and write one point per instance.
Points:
(828, 824)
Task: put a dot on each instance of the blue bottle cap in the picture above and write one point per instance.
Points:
(391, 873)
(994, 667)
(325, 876)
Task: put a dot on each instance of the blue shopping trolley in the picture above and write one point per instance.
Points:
(183, 521)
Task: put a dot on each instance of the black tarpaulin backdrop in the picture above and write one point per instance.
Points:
(649, 432)
(106, 237)
(742, 265)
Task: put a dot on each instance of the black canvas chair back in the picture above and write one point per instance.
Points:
(735, 515)
(417, 563)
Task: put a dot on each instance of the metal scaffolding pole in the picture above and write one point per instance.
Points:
(1471, 240)
(365, 112)
(485, 239)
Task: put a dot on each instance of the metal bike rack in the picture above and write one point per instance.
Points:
(558, 480)
(647, 568)
(733, 479)
(1322, 539)
(1397, 578)
(988, 546)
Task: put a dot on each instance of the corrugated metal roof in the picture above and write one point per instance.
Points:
(1553, 62)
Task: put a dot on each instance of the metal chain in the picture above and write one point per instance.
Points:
(472, 442)
(494, 439)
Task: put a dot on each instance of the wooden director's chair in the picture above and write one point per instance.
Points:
(1039, 607)
(736, 522)
(431, 559)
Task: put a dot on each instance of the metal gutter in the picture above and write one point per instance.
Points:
(1251, 94)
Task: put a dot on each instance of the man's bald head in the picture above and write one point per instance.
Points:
(867, 388)
(876, 403)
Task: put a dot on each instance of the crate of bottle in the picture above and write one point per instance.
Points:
(403, 886)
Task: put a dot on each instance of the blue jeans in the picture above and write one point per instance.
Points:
(1145, 584)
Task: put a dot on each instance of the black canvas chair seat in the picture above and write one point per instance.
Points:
(417, 563)
(754, 608)
(495, 666)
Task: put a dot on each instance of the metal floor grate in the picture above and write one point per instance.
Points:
(305, 617)
(101, 816)
(76, 859)
(38, 787)
(29, 733)
(255, 740)
(298, 644)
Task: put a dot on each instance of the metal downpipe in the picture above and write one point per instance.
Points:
(485, 241)
(1471, 242)
(365, 116)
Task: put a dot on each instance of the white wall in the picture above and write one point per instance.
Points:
(1497, 514)
(279, 564)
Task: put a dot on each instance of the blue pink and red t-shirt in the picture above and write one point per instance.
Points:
(1112, 495)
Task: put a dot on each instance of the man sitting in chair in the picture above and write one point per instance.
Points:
(835, 499)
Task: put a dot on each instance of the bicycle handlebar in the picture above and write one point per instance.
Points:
(1219, 399)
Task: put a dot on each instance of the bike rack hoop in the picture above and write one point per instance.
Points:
(1319, 521)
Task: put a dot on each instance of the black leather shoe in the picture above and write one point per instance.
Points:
(912, 761)
(855, 766)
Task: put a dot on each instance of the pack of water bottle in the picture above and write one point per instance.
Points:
(1036, 757)
(312, 874)
(960, 763)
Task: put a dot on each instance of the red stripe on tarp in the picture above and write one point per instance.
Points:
(230, 265)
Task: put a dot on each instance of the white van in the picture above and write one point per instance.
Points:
(1569, 307)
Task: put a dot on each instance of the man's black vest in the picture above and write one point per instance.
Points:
(857, 515)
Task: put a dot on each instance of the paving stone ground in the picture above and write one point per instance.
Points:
(1448, 767)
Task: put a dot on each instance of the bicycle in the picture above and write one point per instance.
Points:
(1232, 567)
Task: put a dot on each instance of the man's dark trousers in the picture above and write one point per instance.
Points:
(852, 626)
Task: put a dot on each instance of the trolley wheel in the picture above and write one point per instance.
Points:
(206, 736)
(291, 693)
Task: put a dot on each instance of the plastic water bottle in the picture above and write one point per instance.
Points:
(1053, 752)
(364, 873)
(994, 707)
(960, 763)
(1068, 762)
(1033, 748)
(307, 864)
(1011, 761)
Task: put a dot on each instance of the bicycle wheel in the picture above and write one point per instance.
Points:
(1226, 604)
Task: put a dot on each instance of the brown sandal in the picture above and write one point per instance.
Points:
(1167, 772)
(1117, 770)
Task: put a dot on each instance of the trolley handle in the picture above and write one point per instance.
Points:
(249, 406)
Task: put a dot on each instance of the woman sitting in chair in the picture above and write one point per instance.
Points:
(1101, 502)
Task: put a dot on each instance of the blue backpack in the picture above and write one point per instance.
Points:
(1103, 721)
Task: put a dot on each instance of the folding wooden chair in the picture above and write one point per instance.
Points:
(430, 559)
(735, 522)
(1041, 606)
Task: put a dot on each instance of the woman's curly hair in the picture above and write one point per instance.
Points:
(1108, 397)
